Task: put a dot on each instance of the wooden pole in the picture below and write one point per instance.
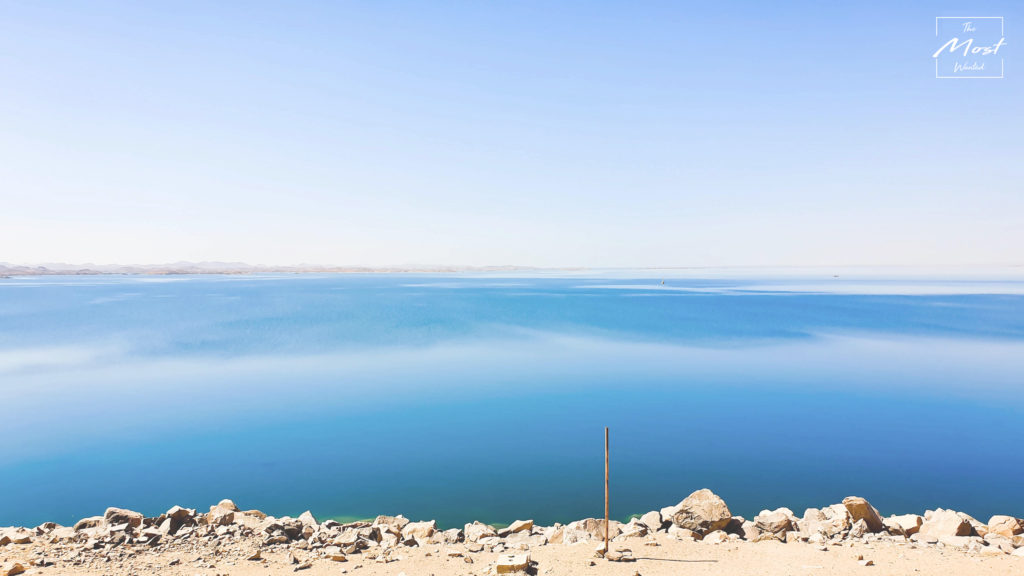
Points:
(606, 509)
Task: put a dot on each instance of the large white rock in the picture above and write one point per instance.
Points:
(114, 516)
(308, 519)
(652, 520)
(945, 523)
(905, 524)
(419, 530)
(1005, 526)
(391, 524)
(860, 509)
(475, 531)
(703, 512)
(221, 515)
(775, 522)
(829, 521)
(520, 525)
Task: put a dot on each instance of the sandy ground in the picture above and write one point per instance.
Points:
(670, 557)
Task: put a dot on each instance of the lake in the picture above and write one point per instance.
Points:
(485, 396)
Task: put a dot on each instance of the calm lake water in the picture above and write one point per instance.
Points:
(485, 396)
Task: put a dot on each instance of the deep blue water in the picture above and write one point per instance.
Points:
(485, 396)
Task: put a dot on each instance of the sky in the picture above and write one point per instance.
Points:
(504, 133)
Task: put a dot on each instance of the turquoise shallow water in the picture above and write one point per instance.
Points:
(485, 396)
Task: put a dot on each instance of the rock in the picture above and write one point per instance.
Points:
(715, 537)
(392, 524)
(474, 547)
(114, 516)
(1005, 526)
(999, 541)
(619, 556)
(475, 531)
(859, 529)
(291, 527)
(977, 528)
(510, 563)
(520, 525)
(15, 536)
(335, 554)
(830, 521)
(589, 529)
(945, 523)
(90, 522)
(905, 525)
(303, 566)
(176, 518)
(1019, 552)
(221, 514)
(652, 520)
(682, 533)
(668, 512)
(635, 529)
(776, 522)
(703, 512)
(1018, 541)
(11, 569)
(735, 526)
(419, 530)
(749, 531)
(255, 555)
(308, 519)
(866, 562)
(860, 509)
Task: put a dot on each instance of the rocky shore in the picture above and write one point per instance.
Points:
(227, 540)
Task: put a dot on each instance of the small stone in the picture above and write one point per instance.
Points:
(619, 556)
(11, 569)
(865, 562)
(682, 533)
(255, 555)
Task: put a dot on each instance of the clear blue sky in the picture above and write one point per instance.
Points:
(530, 133)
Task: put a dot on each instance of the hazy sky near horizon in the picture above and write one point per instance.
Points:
(529, 133)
